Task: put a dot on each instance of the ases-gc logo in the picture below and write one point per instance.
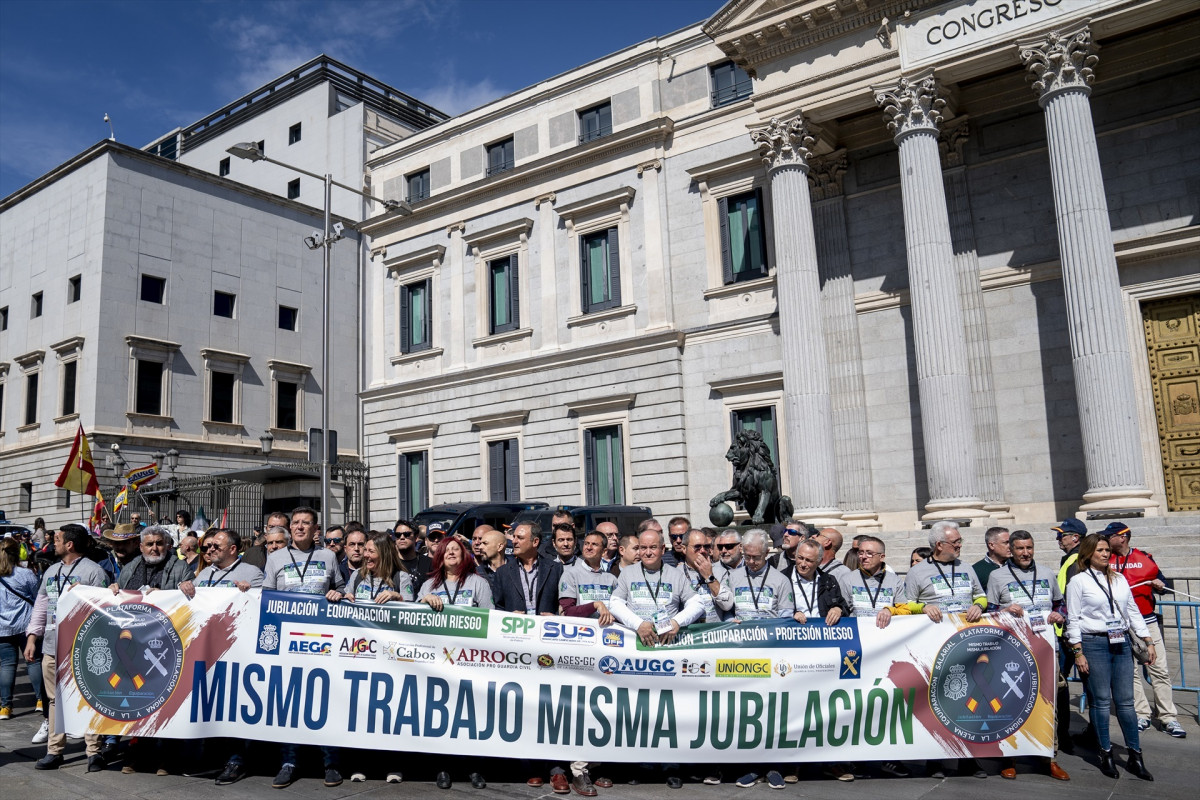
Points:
(127, 660)
(984, 684)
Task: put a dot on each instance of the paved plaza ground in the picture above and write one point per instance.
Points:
(1175, 764)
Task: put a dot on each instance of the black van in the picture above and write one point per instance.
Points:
(464, 518)
(587, 518)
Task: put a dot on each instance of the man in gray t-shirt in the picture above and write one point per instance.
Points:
(228, 570)
(873, 590)
(942, 582)
(652, 598)
(759, 590)
(1022, 587)
(701, 573)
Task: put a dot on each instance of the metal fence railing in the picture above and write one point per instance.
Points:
(1186, 616)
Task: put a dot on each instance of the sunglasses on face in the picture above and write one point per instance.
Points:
(676, 536)
(434, 538)
(726, 546)
(208, 547)
(792, 532)
(405, 534)
(333, 541)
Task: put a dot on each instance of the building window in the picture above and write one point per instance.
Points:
(413, 480)
(26, 501)
(286, 394)
(220, 396)
(500, 157)
(64, 498)
(504, 471)
(74, 289)
(595, 122)
(418, 186)
(415, 317)
(223, 304)
(294, 134)
(4, 318)
(730, 83)
(223, 167)
(31, 397)
(503, 295)
(2, 385)
(762, 421)
(743, 237)
(35, 305)
(604, 467)
(287, 318)
(293, 189)
(601, 270)
(70, 372)
(153, 289)
(149, 389)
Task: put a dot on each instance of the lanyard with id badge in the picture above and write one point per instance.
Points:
(662, 619)
(1115, 624)
(1037, 615)
(949, 588)
(529, 579)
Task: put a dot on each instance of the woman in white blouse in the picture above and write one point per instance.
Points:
(1100, 615)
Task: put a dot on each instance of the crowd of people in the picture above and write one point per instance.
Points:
(1100, 599)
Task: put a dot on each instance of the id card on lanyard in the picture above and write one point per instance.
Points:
(1115, 624)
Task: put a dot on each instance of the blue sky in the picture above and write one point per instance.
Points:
(155, 66)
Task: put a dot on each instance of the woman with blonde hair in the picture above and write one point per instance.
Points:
(1101, 616)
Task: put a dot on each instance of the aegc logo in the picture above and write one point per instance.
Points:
(313, 644)
(568, 633)
(611, 665)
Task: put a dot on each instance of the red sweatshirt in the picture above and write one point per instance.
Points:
(1138, 567)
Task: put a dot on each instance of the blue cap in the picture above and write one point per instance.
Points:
(1070, 525)
(1116, 529)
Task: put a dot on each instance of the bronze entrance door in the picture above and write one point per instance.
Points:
(1173, 343)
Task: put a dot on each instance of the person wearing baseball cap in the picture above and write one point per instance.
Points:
(1069, 533)
(1145, 581)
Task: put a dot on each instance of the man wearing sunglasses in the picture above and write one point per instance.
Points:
(412, 560)
(335, 542)
(677, 530)
(793, 532)
(728, 547)
(714, 595)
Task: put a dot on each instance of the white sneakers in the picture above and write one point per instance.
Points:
(43, 733)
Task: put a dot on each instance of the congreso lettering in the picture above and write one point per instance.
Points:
(985, 18)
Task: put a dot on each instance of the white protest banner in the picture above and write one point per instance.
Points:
(282, 667)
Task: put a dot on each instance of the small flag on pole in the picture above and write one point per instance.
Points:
(79, 474)
(121, 500)
(98, 512)
(140, 476)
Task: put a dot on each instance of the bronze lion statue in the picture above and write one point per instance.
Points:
(755, 481)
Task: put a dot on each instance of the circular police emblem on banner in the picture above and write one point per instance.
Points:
(127, 660)
(984, 684)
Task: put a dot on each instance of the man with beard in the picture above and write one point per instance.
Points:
(729, 551)
(1023, 590)
(123, 542)
(355, 546)
(677, 530)
(412, 560)
(153, 568)
(490, 556)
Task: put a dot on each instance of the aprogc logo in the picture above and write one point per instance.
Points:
(611, 665)
(477, 657)
(568, 633)
(312, 644)
(357, 648)
(743, 667)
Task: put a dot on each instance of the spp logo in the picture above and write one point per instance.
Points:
(743, 667)
(409, 653)
(611, 665)
(311, 644)
(517, 626)
(692, 668)
(352, 647)
(568, 633)
(613, 637)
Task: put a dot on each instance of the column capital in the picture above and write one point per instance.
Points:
(913, 105)
(784, 143)
(1060, 61)
(825, 175)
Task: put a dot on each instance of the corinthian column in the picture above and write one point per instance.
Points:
(913, 112)
(1061, 69)
(812, 478)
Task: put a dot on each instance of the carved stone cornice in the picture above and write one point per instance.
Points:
(1060, 61)
(825, 175)
(953, 141)
(913, 106)
(784, 143)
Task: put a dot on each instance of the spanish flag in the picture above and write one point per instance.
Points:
(79, 474)
(99, 512)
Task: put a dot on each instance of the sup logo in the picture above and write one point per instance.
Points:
(127, 660)
(984, 684)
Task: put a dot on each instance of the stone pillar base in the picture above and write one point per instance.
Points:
(820, 517)
(862, 521)
(954, 509)
(1119, 498)
(999, 512)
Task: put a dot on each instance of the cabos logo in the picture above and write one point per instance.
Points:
(409, 653)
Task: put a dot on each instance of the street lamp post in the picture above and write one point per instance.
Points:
(324, 240)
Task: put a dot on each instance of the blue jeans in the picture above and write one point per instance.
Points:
(9, 654)
(329, 754)
(1110, 682)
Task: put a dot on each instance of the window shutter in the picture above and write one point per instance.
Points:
(496, 491)
(726, 254)
(617, 459)
(589, 468)
(514, 298)
(428, 313)
(614, 268)
(584, 275)
(405, 320)
(512, 469)
(402, 488)
(762, 228)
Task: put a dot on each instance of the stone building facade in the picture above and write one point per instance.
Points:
(942, 255)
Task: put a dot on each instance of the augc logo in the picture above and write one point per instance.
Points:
(743, 667)
(611, 665)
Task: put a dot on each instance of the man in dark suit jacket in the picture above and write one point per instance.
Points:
(529, 583)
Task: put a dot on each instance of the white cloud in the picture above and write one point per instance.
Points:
(455, 96)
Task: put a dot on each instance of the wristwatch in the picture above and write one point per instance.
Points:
(711, 579)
